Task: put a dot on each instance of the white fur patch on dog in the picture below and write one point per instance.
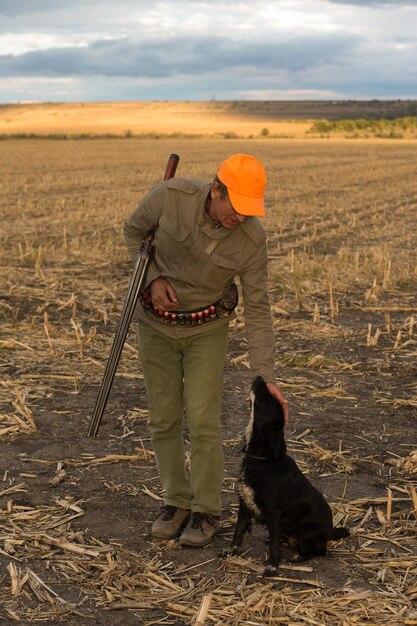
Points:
(247, 494)
(249, 427)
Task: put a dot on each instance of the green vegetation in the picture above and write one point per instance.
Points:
(395, 128)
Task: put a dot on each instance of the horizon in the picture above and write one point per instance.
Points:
(179, 100)
(227, 118)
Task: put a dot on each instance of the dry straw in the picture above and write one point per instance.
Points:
(118, 579)
(342, 271)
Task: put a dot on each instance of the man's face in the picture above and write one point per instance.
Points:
(221, 209)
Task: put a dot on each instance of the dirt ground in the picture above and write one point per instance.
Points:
(75, 513)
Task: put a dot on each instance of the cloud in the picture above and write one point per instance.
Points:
(24, 8)
(177, 49)
(377, 3)
(167, 57)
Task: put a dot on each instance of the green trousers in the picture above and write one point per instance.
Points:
(186, 375)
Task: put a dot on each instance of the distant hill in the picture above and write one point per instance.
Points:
(326, 109)
(221, 118)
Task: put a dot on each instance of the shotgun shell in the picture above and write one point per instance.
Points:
(206, 314)
(166, 316)
(173, 318)
(180, 318)
(193, 319)
(200, 317)
(212, 312)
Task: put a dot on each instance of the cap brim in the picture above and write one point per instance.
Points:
(246, 205)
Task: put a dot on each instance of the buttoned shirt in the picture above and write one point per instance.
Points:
(201, 260)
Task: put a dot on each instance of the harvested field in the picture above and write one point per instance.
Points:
(75, 513)
(234, 118)
(142, 118)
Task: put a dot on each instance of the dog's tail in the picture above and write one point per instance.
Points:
(339, 533)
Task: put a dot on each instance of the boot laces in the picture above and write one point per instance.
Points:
(168, 512)
(198, 518)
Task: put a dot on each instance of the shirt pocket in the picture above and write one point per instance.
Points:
(172, 245)
(223, 269)
(174, 228)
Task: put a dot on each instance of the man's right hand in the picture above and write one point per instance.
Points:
(163, 295)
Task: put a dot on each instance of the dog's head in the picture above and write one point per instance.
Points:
(266, 424)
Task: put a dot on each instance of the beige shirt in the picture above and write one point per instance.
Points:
(200, 261)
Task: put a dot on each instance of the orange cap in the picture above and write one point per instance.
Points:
(245, 179)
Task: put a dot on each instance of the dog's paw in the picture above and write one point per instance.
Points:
(231, 551)
(270, 570)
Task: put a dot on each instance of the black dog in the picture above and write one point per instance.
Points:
(274, 491)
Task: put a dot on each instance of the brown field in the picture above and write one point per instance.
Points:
(75, 513)
(285, 119)
(191, 118)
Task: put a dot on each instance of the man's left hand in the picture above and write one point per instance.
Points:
(275, 391)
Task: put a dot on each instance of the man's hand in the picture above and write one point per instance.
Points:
(275, 391)
(163, 295)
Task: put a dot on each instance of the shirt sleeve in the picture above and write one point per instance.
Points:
(145, 218)
(257, 311)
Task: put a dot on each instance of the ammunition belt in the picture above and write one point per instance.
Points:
(182, 318)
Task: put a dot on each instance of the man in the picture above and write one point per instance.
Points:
(205, 235)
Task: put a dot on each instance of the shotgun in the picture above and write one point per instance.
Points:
(136, 281)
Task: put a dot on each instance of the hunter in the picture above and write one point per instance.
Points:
(206, 235)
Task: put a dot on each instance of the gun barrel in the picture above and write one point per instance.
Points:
(135, 284)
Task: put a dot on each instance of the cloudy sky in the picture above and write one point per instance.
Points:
(83, 50)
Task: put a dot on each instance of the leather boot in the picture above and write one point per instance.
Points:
(200, 530)
(169, 522)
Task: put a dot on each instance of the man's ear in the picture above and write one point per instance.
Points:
(214, 189)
